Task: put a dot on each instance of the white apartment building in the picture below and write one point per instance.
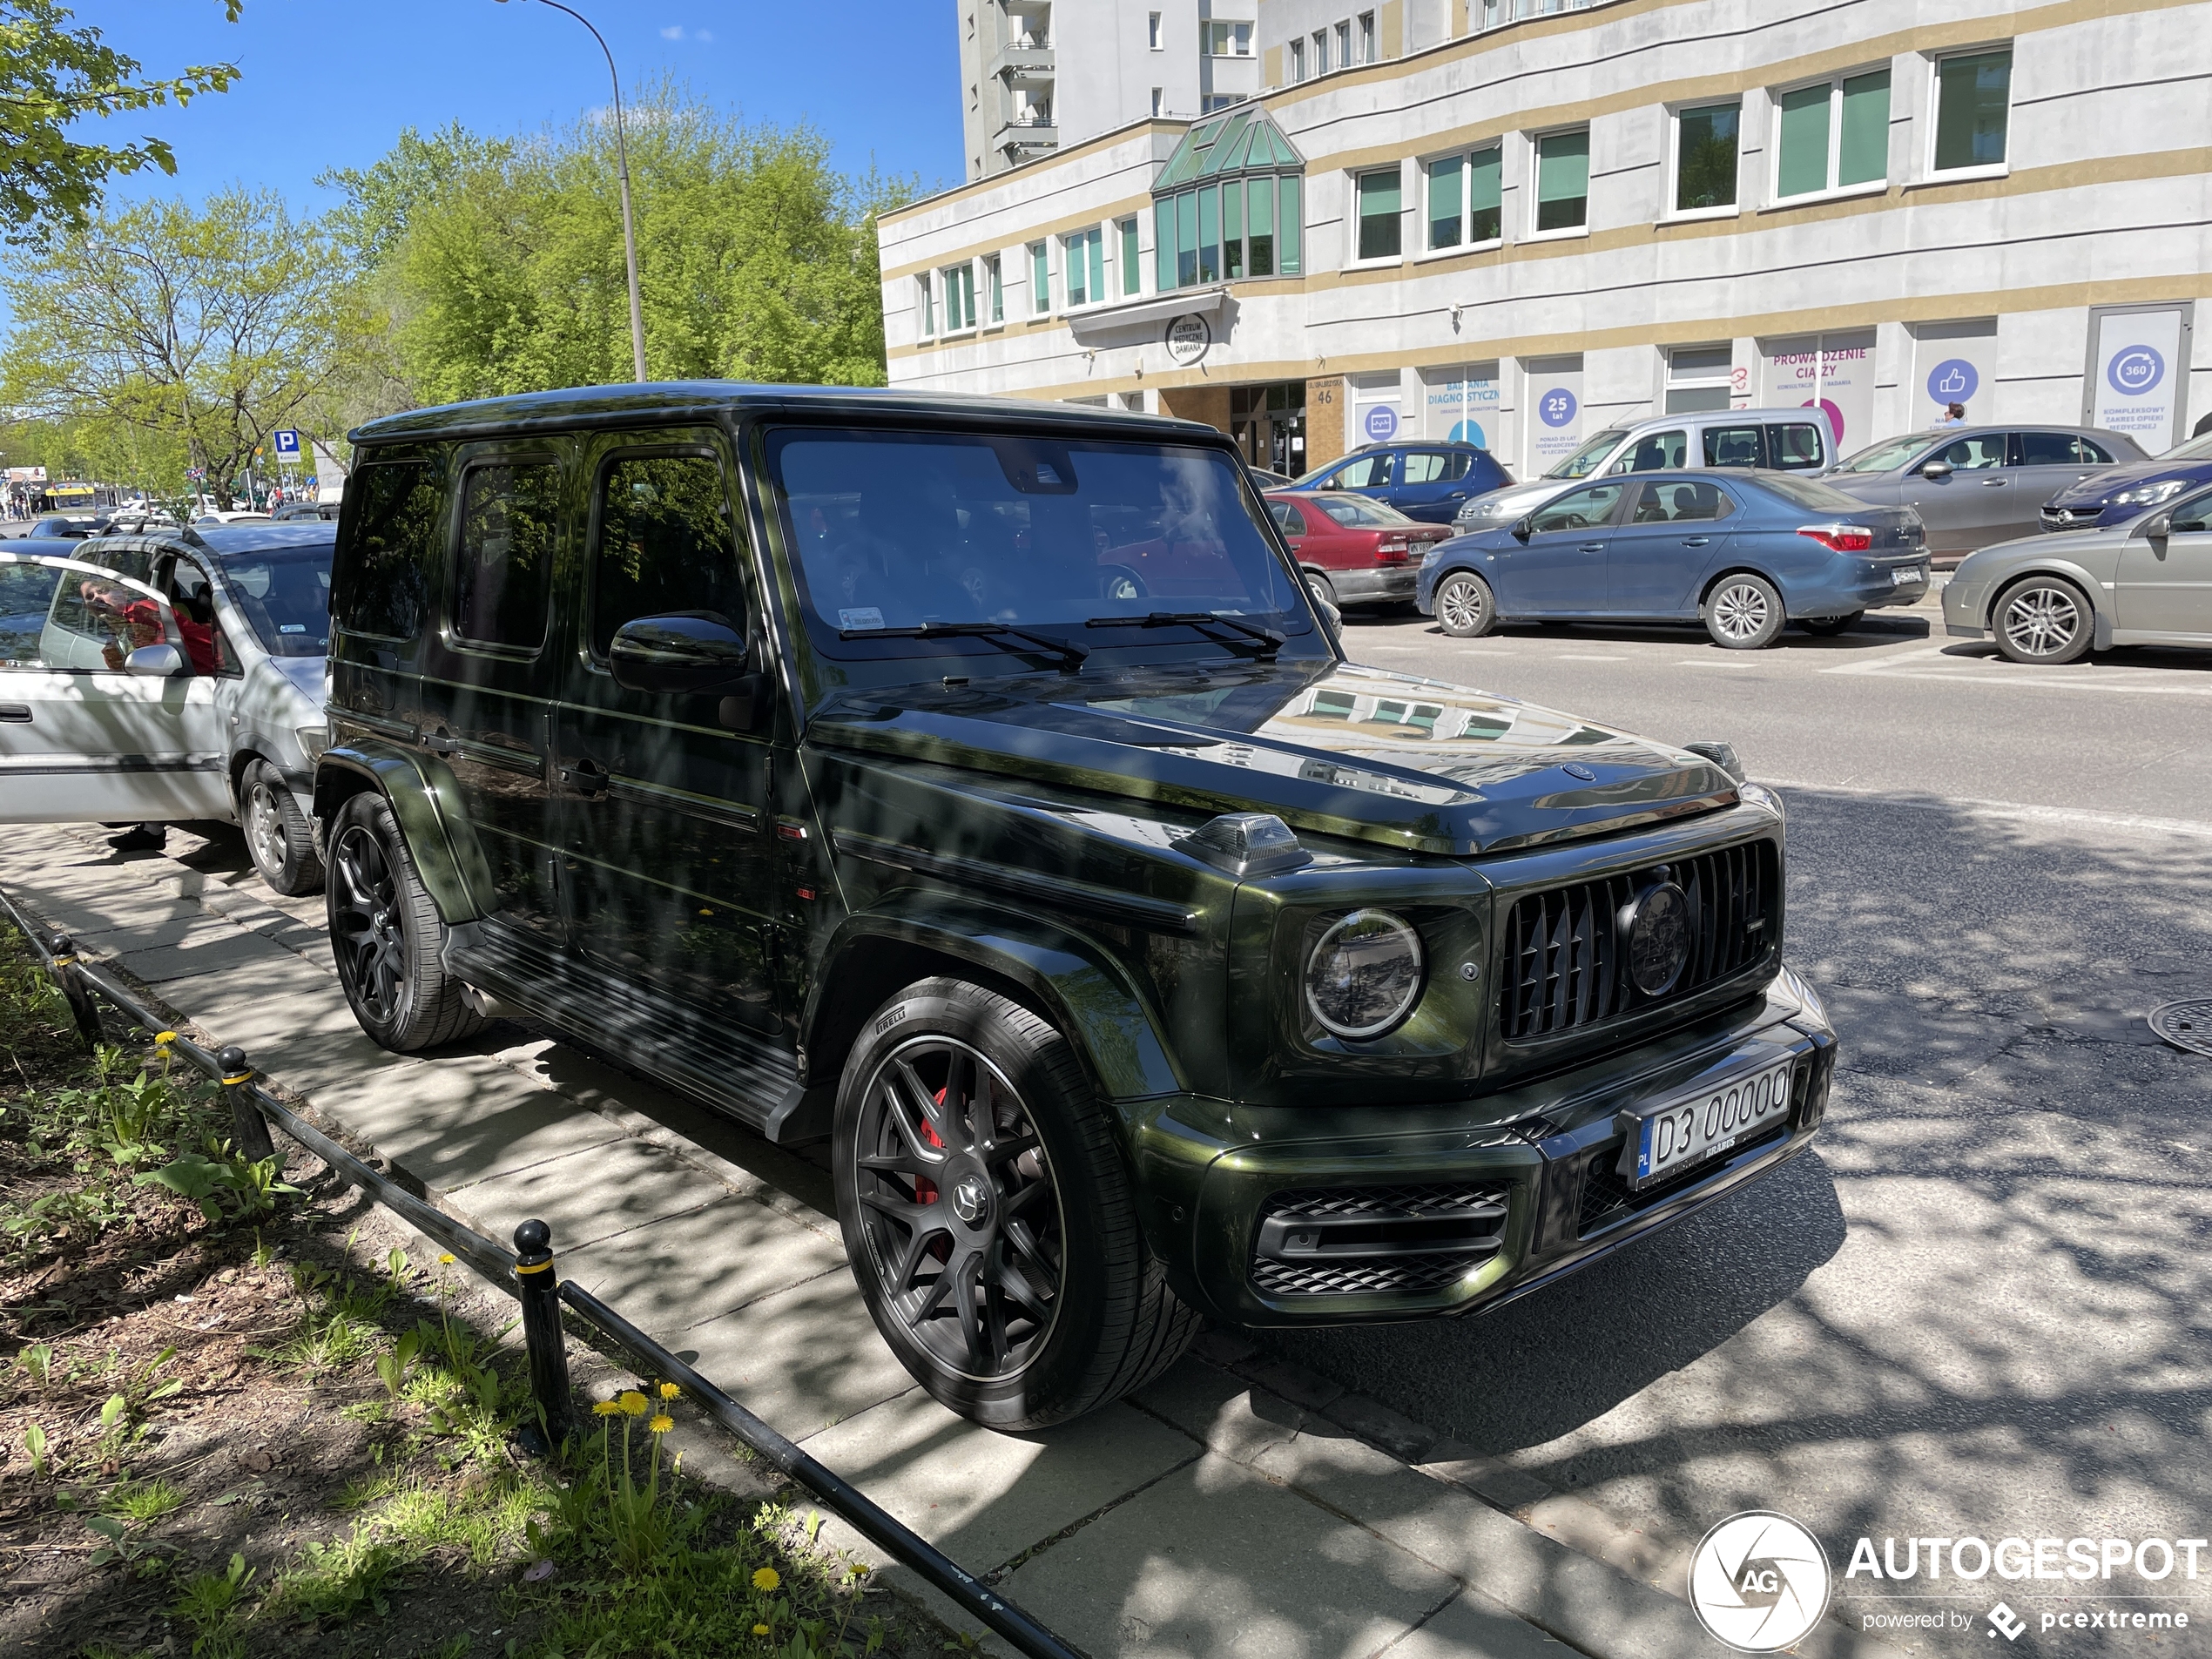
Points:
(1517, 221)
(1038, 75)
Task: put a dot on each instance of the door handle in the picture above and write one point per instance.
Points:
(1458, 494)
(1593, 547)
(439, 743)
(1995, 483)
(585, 778)
(17, 712)
(1695, 541)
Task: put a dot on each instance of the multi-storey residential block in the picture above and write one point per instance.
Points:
(1521, 223)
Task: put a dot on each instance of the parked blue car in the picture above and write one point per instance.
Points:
(1746, 553)
(1430, 481)
(2117, 494)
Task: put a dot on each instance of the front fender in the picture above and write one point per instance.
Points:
(426, 800)
(1071, 978)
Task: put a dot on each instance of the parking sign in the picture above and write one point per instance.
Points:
(287, 443)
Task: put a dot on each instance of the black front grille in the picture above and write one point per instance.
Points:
(1351, 1241)
(1565, 960)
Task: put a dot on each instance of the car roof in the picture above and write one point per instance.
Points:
(268, 538)
(627, 405)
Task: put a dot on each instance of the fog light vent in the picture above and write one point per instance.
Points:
(1353, 1241)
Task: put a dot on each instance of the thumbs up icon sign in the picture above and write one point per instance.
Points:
(1951, 384)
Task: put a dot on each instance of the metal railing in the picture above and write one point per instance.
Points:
(529, 1275)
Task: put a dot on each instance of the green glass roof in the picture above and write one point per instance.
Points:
(1240, 140)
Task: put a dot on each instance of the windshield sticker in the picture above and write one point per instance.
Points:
(862, 616)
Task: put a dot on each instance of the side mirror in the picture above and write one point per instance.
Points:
(2160, 528)
(682, 654)
(1524, 527)
(156, 663)
(1935, 469)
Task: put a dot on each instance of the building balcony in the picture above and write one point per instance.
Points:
(1021, 65)
(1028, 133)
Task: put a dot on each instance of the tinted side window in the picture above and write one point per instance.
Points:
(380, 566)
(1578, 509)
(1795, 445)
(510, 518)
(666, 544)
(1732, 446)
(2048, 450)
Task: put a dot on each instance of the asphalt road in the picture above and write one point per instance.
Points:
(1982, 1307)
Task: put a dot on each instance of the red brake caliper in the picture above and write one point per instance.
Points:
(926, 1190)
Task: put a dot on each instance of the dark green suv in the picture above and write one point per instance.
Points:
(972, 783)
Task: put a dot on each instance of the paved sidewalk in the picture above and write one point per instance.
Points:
(1233, 1509)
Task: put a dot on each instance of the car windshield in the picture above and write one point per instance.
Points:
(285, 593)
(2196, 448)
(1806, 492)
(1357, 513)
(899, 531)
(1886, 456)
(1584, 460)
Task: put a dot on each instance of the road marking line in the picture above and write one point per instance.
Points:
(1579, 656)
(1980, 671)
(2122, 821)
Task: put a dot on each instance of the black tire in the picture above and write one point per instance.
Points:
(954, 1226)
(1829, 627)
(1743, 612)
(1465, 608)
(276, 834)
(2043, 620)
(1119, 582)
(1323, 590)
(385, 934)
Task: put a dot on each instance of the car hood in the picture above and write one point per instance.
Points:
(1511, 501)
(2100, 485)
(1331, 748)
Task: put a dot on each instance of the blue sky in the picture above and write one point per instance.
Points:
(331, 83)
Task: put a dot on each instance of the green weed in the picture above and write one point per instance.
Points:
(210, 1605)
(143, 1502)
(338, 1581)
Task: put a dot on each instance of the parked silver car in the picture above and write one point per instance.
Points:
(2050, 599)
(170, 677)
(1976, 485)
(1778, 439)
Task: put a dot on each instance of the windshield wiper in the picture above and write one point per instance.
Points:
(1262, 642)
(1069, 655)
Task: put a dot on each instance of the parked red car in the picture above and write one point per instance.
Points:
(1354, 550)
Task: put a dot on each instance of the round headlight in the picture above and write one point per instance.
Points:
(1363, 973)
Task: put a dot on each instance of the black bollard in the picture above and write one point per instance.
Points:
(548, 1351)
(248, 1127)
(82, 1009)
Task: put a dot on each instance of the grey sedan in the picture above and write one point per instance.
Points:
(1974, 485)
(2050, 599)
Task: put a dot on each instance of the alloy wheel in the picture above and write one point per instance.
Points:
(2042, 621)
(265, 827)
(959, 1210)
(1461, 606)
(1740, 611)
(370, 943)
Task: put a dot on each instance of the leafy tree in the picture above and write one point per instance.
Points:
(189, 333)
(52, 75)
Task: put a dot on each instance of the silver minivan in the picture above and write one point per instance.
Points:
(1789, 440)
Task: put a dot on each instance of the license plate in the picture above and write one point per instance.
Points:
(1666, 1139)
(1900, 575)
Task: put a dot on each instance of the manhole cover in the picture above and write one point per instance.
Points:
(2186, 1025)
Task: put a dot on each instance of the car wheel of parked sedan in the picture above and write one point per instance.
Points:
(277, 835)
(385, 934)
(1829, 627)
(1743, 612)
(1116, 582)
(1465, 608)
(2043, 619)
(1323, 590)
(989, 1216)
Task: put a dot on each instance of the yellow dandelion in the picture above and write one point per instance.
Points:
(668, 1390)
(662, 1424)
(760, 1629)
(632, 1403)
(165, 1036)
(445, 1258)
(604, 1408)
(766, 1578)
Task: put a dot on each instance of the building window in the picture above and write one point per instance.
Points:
(1131, 279)
(1229, 40)
(959, 297)
(1833, 134)
(1464, 199)
(1698, 377)
(1213, 103)
(1320, 51)
(1563, 180)
(1973, 103)
(1083, 260)
(1221, 210)
(1039, 281)
(1367, 36)
(1152, 32)
(1298, 62)
(1159, 107)
(994, 285)
(925, 307)
(1381, 202)
(1705, 157)
(1344, 45)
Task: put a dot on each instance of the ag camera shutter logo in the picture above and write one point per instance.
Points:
(1759, 1582)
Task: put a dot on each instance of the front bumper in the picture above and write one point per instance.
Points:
(1962, 610)
(1262, 1217)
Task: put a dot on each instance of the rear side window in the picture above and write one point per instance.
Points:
(1676, 503)
(2094, 452)
(510, 518)
(666, 544)
(381, 585)
(1732, 446)
(1288, 519)
(2050, 449)
(1434, 466)
(1795, 445)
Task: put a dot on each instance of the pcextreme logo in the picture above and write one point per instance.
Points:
(1759, 1582)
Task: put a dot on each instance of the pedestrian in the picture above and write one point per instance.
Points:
(1953, 414)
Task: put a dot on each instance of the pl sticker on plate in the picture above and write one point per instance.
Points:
(862, 616)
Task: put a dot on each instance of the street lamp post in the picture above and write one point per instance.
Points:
(622, 161)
